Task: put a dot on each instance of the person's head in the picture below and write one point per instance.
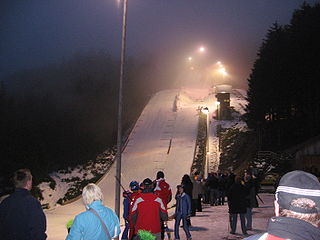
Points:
(186, 179)
(22, 178)
(237, 179)
(298, 196)
(160, 174)
(91, 193)
(134, 186)
(180, 189)
(247, 177)
(147, 185)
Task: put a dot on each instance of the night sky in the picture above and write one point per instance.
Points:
(37, 32)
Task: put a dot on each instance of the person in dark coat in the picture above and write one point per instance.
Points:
(222, 189)
(213, 185)
(252, 201)
(188, 188)
(237, 205)
(21, 215)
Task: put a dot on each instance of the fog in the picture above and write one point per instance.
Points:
(36, 33)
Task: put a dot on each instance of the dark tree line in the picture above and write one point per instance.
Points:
(62, 115)
(284, 86)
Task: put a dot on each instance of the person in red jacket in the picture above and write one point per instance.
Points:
(147, 211)
(163, 190)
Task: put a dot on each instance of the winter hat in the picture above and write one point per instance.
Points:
(160, 174)
(134, 185)
(147, 183)
(297, 185)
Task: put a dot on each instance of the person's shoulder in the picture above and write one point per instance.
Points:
(24, 197)
(31, 200)
(84, 214)
(108, 210)
(84, 217)
(186, 196)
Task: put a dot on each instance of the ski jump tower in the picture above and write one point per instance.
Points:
(223, 102)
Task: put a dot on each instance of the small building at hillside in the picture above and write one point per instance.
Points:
(223, 102)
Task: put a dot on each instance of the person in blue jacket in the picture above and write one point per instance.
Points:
(183, 212)
(87, 225)
(21, 215)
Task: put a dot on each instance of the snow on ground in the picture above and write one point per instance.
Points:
(213, 222)
(170, 116)
(238, 100)
(68, 180)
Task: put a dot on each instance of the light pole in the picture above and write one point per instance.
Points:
(206, 111)
(218, 110)
(119, 134)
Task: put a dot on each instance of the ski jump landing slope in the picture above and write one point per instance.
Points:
(148, 150)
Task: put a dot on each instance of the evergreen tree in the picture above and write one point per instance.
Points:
(283, 98)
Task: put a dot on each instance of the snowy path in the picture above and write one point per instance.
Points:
(146, 151)
(213, 222)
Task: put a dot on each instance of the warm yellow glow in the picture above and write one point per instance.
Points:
(189, 59)
(202, 49)
(205, 110)
(219, 63)
(222, 71)
(191, 68)
(217, 103)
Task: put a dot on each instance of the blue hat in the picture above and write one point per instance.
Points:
(134, 185)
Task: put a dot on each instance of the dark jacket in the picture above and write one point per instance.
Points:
(288, 228)
(21, 217)
(183, 205)
(237, 198)
(251, 197)
(212, 182)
